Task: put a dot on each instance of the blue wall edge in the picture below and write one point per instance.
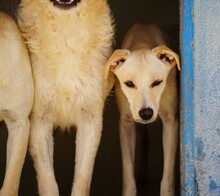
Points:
(188, 179)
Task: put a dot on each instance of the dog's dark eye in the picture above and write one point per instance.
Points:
(130, 84)
(156, 83)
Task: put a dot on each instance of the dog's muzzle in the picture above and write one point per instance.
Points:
(65, 3)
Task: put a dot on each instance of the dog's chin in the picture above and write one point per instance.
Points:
(140, 121)
(65, 4)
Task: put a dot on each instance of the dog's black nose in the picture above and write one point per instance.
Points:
(146, 113)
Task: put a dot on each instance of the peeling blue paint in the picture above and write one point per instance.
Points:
(199, 144)
(213, 187)
(189, 185)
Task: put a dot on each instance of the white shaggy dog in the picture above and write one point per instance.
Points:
(146, 88)
(16, 99)
(69, 43)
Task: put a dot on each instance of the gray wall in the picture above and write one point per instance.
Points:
(200, 128)
(107, 172)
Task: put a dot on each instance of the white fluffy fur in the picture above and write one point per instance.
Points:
(16, 99)
(146, 61)
(68, 51)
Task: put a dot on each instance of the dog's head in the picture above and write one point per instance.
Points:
(142, 75)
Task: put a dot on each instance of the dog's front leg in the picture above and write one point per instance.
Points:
(87, 141)
(41, 149)
(170, 141)
(128, 143)
(18, 133)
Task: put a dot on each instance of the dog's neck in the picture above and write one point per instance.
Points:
(65, 3)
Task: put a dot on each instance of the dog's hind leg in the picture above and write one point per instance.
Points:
(41, 149)
(18, 133)
(128, 143)
(170, 141)
(87, 141)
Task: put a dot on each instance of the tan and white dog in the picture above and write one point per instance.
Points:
(69, 42)
(146, 88)
(16, 99)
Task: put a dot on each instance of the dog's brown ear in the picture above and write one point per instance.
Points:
(168, 56)
(119, 56)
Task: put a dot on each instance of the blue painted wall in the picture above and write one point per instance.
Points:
(200, 92)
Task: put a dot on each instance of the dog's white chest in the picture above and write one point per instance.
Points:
(67, 92)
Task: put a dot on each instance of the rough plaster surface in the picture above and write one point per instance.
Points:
(207, 96)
